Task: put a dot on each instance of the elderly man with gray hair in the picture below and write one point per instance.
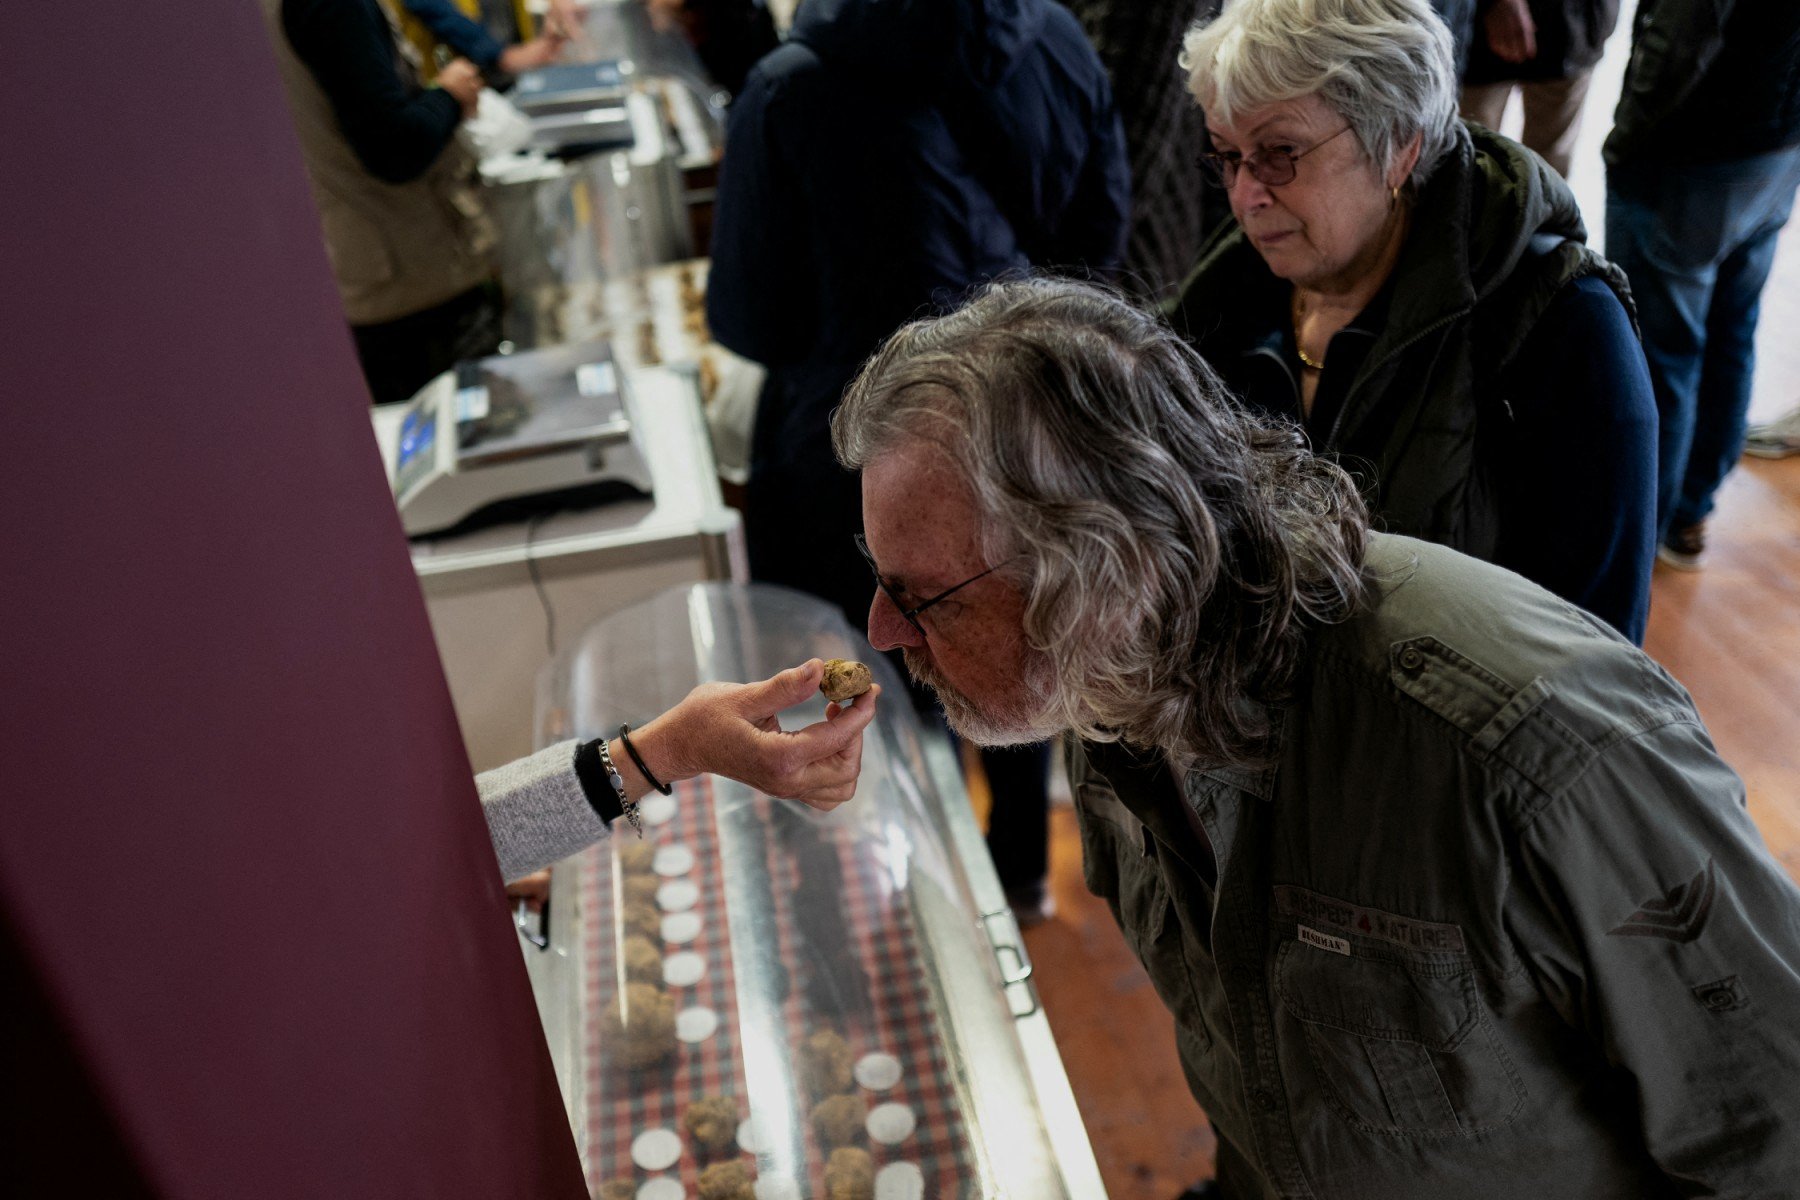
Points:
(1442, 880)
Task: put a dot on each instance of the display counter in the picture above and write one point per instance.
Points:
(758, 999)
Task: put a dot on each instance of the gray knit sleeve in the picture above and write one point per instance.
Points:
(536, 810)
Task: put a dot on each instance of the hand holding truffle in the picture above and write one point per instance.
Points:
(734, 730)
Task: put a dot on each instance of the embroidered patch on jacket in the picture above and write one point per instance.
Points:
(1722, 995)
(1678, 916)
(1342, 917)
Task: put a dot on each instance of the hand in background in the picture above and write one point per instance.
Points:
(564, 19)
(1511, 33)
(533, 889)
(461, 79)
(734, 730)
(668, 16)
(528, 56)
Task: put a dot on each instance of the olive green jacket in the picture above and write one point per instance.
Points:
(1495, 923)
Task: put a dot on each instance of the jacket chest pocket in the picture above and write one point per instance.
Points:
(1120, 864)
(1398, 1039)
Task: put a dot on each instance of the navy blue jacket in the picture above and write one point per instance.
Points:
(888, 157)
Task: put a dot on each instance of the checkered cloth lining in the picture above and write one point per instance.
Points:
(623, 1104)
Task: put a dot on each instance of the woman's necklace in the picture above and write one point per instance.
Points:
(1306, 360)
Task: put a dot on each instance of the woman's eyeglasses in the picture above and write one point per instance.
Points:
(1271, 168)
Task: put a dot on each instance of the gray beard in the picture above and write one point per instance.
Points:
(1014, 725)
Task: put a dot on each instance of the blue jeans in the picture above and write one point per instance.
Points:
(1697, 243)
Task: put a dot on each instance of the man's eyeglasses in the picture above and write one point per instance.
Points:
(912, 614)
(1271, 168)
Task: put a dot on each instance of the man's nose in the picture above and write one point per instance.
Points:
(888, 630)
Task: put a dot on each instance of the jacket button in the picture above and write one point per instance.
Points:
(1266, 1101)
(1411, 659)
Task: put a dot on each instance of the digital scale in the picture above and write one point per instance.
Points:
(506, 437)
(586, 105)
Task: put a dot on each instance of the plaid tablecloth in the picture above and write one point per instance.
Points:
(868, 940)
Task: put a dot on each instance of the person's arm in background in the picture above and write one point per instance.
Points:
(1577, 472)
(761, 294)
(1092, 229)
(397, 132)
(448, 25)
(1673, 43)
(540, 808)
(470, 39)
(1652, 918)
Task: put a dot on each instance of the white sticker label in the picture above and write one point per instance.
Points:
(1324, 941)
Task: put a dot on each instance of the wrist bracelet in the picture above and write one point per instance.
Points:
(625, 739)
(601, 796)
(627, 805)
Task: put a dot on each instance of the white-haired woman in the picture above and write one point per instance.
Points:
(1416, 293)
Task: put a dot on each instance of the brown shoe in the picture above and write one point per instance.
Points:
(1685, 547)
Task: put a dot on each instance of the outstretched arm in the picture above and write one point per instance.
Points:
(538, 811)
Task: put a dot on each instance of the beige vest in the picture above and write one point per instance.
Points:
(396, 249)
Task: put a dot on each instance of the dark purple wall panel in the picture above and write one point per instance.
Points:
(240, 851)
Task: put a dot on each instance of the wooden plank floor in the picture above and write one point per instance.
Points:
(1730, 634)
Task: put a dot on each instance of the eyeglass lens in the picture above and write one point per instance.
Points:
(911, 615)
(1270, 167)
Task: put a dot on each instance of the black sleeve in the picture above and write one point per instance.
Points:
(1673, 44)
(1578, 475)
(595, 784)
(1093, 231)
(761, 293)
(397, 132)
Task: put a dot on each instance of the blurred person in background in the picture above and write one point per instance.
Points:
(1701, 169)
(1415, 293)
(889, 156)
(728, 35)
(409, 240)
(1545, 50)
(461, 28)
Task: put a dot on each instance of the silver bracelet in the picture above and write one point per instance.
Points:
(627, 805)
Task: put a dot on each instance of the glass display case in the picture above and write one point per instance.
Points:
(757, 999)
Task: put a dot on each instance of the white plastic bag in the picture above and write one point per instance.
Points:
(731, 410)
(497, 129)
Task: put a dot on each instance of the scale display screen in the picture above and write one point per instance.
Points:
(417, 451)
(540, 400)
(418, 435)
(572, 77)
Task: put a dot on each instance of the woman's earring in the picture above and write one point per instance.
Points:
(1394, 196)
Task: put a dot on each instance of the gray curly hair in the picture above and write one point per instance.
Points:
(1388, 67)
(1172, 550)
